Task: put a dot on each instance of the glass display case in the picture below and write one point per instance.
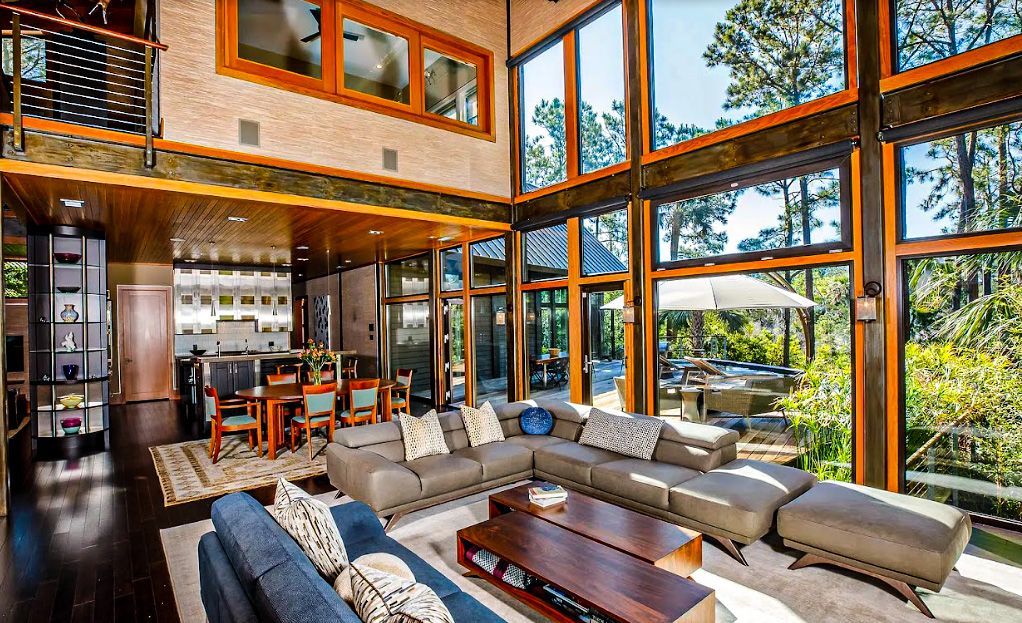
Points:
(69, 365)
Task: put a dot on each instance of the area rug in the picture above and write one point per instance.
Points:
(187, 473)
(986, 586)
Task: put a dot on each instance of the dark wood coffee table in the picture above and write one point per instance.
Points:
(617, 585)
(658, 542)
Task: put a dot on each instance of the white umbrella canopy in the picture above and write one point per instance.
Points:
(722, 292)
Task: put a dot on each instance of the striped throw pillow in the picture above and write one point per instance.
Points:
(311, 525)
(380, 597)
(630, 436)
(423, 436)
(481, 425)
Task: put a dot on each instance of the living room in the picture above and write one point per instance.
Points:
(576, 310)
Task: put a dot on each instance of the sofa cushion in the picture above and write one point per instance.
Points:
(699, 435)
(445, 473)
(572, 461)
(534, 442)
(536, 421)
(634, 436)
(908, 535)
(366, 476)
(693, 457)
(387, 563)
(499, 459)
(465, 607)
(646, 482)
(741, 497)
(481, 425)
(311, 525)
(423, 572)
(381, 597)
(422, 436)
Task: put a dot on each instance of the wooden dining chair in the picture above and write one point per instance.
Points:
(404, 384)
(233, 423)
(326, 375)
(350, 368)
(284, 378)
(320, 411)
(362, 395)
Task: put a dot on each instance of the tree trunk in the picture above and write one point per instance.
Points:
(810, 317)
(675, 232)
(966, 161)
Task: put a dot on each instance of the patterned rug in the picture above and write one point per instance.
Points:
(187, 473)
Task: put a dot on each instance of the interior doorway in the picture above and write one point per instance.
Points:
(144, 335)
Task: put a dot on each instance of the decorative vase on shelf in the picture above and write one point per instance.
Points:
(69, 314)
(70, 371)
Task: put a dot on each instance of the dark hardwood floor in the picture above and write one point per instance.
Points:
(82, 542)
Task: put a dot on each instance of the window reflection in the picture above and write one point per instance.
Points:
(451, 87)
(284, 34)
(375, 62)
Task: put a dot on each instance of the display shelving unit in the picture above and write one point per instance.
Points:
(84, 285)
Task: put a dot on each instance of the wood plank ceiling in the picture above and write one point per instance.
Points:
(144, 226)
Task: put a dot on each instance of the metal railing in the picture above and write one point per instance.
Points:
(68, 71)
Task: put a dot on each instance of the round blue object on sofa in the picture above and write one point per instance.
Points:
(536, 421)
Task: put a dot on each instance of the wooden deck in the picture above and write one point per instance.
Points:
(762, 438)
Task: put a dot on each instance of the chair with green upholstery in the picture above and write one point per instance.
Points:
(320, 411)
(404, 385)
(362, 395)
(234, 423)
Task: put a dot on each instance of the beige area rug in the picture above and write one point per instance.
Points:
(983, 590)
(187, 473)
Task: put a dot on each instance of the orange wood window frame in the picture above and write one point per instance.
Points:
(892, 80)
(331, 86)
(573, 162)
(780, 117)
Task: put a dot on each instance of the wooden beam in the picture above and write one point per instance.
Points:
(602, 189)
(4, 467)
(803, 134)
(975, 87)
(42, 148)
(636, 370)
(873, 347)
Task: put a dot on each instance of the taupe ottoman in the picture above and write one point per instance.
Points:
(902, 540)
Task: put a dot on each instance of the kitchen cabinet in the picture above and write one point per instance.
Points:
(230, 376)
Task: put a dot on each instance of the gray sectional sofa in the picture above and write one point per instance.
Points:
(693, 480)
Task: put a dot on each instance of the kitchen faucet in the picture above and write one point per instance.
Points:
(218, 348)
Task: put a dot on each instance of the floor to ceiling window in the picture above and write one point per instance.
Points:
(930, 31)
(489, 348)
(546, 343)
(543, 149)
(409, 325)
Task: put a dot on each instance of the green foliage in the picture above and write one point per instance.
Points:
(546, 155)
(15, 279)
(820, 413)
(929, 31)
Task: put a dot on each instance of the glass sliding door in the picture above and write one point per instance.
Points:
(489, 348)
(410, 347)
(603, 363)
(454, 350)
(546, 343)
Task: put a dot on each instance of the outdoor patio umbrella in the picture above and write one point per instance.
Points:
(723, 292)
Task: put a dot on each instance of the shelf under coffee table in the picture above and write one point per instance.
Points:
(658, 542)
(616, 585)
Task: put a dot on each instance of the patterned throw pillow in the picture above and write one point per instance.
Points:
(380, 597)
(500, 568)
(311, 525)
(381, 561)
(481, 425)
(630, 436)
(423, 436)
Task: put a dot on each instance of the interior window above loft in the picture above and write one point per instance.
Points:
(284, 34)
(715, 64)
(800, 210)
(544, 158)
(930, 31)
(450, 86)
(375, 62)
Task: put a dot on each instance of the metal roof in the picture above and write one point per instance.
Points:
(547, 251)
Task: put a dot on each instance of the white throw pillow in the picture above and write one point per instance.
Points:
(423, 436)
(384, 598)
(482, 425)
(311, 525)
(387, 563)
(630, 436)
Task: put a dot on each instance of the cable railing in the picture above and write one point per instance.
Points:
(69, 71)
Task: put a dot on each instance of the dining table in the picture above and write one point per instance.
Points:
(271, 396)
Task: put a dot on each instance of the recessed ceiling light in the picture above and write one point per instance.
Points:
(734, 184)
(302, 259)
(375, 232)
(73, 203)
(445, 238)
(237, 219)
(286, 265)
(347, 261)
(177, 239)
(302, 247)
(379, 66)
(190, 261)
(299, 274)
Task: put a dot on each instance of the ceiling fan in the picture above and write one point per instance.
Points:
(317, 14)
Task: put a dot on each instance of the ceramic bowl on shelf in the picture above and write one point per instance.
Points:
(198, 352)
(68, 289)
(71, 401)
(71, 425)
(68, 258)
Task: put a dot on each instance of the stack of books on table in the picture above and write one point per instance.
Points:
(547, 495)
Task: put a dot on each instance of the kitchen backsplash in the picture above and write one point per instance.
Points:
(232, 336)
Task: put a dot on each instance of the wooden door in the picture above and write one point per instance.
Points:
(144, 337)
(299, 321)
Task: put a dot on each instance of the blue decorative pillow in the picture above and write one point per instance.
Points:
(536, 421)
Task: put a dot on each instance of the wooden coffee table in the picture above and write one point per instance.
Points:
(618, 586)
(658, 542)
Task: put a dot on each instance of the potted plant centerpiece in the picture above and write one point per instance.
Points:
(316, 356)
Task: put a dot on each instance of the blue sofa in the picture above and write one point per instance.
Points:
(251, 570)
